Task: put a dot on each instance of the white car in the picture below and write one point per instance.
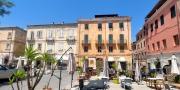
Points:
(5, 72)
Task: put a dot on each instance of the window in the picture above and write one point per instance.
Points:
(7, 46)
(162, 19)
(158, 45)
(173, 11)
(121, 38)
(32, 36)
(99, 26)
(152, 27)
(86, 26)
(9, 35)
(39, 34)
(85, 48)
(99, 48)
(148, 47)
(111, 49)
(144, 43)
(156, 24)
(50, 34)
(121, 25)
(110, 38)
(121, 48)
(39, 46)
(50, 47)
(164, 43)
(31, 45)
(85, 38)
(61, 33)
(153, 46)
(176, 40)
(110, 25)
(99, 38)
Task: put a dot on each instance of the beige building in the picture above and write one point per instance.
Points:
(53, 38)
(12, 43)
(105, 36)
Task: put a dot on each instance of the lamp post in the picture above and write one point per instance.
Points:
(60, 60)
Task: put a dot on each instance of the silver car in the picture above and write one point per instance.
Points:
(5, 72)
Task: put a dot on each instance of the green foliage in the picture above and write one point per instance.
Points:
(4, 5)
(99, 66)
(177, 79)
(114, 66)
(17, 76)
(115, 80)
(153, 74)
(80, 70)
(31, 54)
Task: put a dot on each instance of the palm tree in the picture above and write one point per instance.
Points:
(32, 56)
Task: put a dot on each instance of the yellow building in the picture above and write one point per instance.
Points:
(12, 43)
(105, 36)
(53, 38)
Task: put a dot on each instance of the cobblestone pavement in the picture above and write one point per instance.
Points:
(66, 79)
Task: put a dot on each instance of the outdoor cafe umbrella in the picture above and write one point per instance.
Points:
(174, 67)
(85, 66)
(105, 68)
(119, 66)
(137, 71)
(71, 66)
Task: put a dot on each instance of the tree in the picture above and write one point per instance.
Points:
(32, 56)
(4, 6)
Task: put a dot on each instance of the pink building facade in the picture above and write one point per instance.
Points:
(161, 32)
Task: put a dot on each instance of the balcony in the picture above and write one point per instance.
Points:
(50, 39)
(86, 42)
(111, 42)
(70, 38)
(30, 39)
(99, 42)
(122, 42)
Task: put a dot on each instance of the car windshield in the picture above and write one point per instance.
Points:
(3, 67)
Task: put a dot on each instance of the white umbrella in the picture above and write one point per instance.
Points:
(174, 67)
(71, 63)
(71, 66)
(105, 68)
(119, 66)
(137, 71)
(85, 66)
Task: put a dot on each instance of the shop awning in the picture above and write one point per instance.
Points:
(111, 59)
(122, 59)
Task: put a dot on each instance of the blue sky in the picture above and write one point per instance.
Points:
(47, 11)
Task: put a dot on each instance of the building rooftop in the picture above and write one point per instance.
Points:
(52, 25)
(12, 28)
(106, 17)
(156, 7)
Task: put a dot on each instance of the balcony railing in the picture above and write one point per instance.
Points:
(99, 42)
(123, 42)
(30, 39)
(50, 39)
(86, 42)
(70, 38)
(111, 41)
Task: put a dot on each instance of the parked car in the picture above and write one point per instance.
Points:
(5, 72)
